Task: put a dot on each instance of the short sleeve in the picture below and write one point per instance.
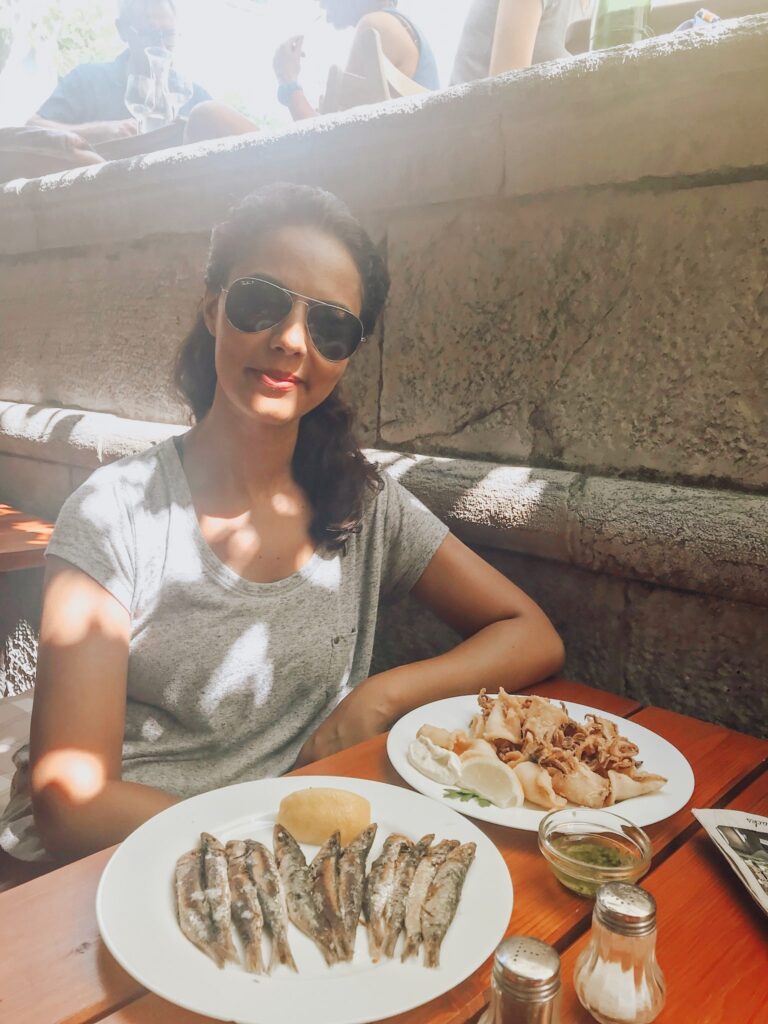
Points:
(68, 101)
(94, 532)
(412, 535)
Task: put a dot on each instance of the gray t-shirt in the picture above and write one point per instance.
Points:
(226, 678)
(473, 56)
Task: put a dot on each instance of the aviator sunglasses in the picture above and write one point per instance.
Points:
(254, 305)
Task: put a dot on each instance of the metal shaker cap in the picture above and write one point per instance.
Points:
(625, 909)
(527, 968)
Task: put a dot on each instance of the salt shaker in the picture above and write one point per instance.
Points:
(617, 977)
(525, 986)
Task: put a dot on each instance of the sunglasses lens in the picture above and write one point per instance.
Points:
(253, 306)
(335, 332)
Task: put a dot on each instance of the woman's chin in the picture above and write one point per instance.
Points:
(277, 414)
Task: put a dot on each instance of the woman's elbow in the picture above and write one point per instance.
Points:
(63, 784)
(52, 826)
(549, 647)
(555, 652)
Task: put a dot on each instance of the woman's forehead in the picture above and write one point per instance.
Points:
(306, 260)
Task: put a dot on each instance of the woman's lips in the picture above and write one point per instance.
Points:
(275, 381)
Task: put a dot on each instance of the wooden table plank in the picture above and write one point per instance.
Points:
(23, 539)
(54, 966)
(698, 895)
(721, 760)
(542, 907)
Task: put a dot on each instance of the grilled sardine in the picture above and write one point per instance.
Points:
(298, 883)
(246, 909)
(406, 868)
(442, 899)
(352, 886)
(325, 890)
(422, 879)
(379, 888)
(263, 870)
(202, 899)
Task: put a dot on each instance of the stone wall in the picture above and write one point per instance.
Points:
(573, 348)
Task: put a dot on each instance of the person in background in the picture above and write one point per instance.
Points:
(401, 40)
(90, 99)
(403, 43)
(507, 35)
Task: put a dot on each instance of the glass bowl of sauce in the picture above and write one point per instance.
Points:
(586, 848)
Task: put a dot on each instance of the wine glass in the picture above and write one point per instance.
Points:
(139, 98)
(180, 91)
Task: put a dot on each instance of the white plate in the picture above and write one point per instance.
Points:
(135, 908)
(658, 756)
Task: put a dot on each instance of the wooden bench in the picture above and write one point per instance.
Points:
(23, 539)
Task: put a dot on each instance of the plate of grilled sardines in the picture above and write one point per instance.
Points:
(335, 900)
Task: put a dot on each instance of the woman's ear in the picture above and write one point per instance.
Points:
(210, 310)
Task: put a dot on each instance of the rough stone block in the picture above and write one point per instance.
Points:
(715, 542)
(616, 333)
(407, 631)
(377, 157)
(587, 610)
(106, 336)
(616, 115)
(698, 655)
(499, 506)
(19, 232)
(361, 388)
(37, 487)
(78, 476)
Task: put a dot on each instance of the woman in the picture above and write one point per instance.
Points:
(210, 604)
(508, 35)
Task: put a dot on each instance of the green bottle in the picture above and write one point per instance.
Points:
(619, 21)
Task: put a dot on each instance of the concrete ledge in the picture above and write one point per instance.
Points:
(709, 542)
(705, 541)
(511, 508)
(681, 106)
(75, 437)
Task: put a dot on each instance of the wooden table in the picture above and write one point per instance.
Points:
(54, 968)
(23, 539)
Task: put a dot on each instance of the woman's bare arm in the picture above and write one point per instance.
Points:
(517, 24)
(509, 642)
(80, 802)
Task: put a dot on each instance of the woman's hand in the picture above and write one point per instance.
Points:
(363, 713)
(287, 60)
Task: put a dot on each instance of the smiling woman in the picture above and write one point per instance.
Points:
(210, 604)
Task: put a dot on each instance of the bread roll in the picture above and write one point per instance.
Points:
(312, 815)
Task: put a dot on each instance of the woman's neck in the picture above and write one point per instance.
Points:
(238, 463)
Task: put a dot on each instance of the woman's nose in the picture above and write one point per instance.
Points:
(292, 335)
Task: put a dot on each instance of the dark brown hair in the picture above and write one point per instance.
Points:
(327, 462)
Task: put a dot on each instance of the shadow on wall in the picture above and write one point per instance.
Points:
(49, 424)
(408, 631)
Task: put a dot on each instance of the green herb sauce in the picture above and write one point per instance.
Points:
(599, 854)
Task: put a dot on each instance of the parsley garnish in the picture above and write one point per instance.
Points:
(465, 795)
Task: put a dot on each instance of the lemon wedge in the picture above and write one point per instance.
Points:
(493, 780)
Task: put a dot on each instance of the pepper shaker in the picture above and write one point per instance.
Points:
(617, 977)
(525, 986)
